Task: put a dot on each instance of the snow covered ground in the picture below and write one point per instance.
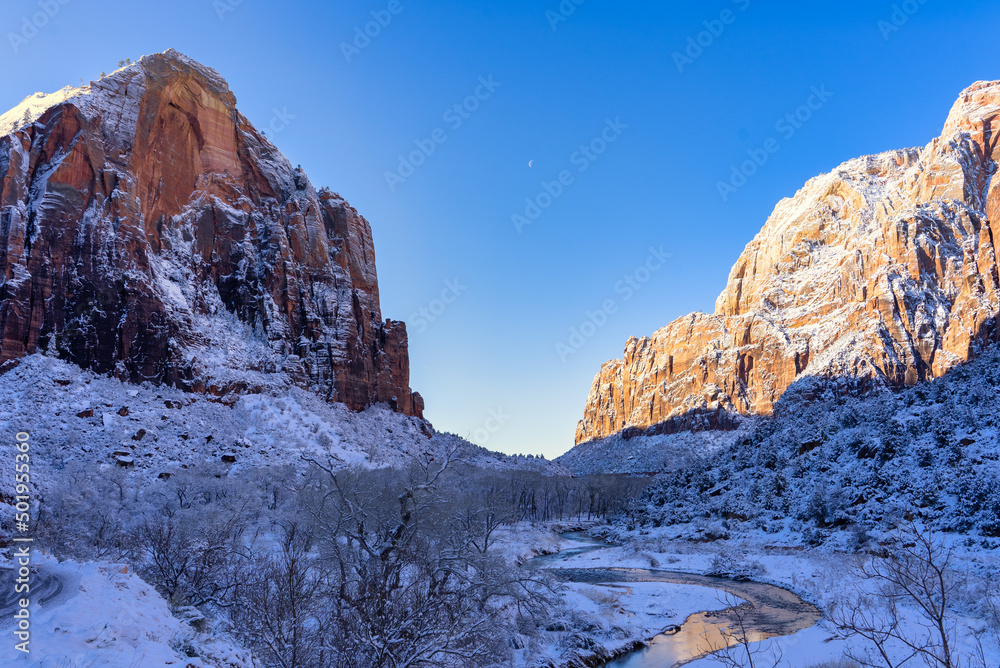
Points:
(76, 415)
(103, 614)
(606, 617)
(810, 574)
(819, 576)
(108, 617)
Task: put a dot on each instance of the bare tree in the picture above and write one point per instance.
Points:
(479, 514)
(86, 517)
(903, 607)
(280, 611)
(192, 561)
(408, 593)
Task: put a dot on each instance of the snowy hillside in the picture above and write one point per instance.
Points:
(648, 454)
(828, 466)
(76, 415)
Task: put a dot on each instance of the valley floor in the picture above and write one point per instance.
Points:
(107, 616)
(617, 616)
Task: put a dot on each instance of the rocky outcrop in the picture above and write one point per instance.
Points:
(880, 273)
(148, 230)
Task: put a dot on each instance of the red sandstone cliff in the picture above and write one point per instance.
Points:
(882, 272)
(149, 231)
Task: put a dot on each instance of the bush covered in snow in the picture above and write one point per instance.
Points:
(320, 565)
(827, 464)
(322, 568)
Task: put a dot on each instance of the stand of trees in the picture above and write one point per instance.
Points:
(334, 568)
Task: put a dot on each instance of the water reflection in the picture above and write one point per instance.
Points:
(699, 636)
(766, 611)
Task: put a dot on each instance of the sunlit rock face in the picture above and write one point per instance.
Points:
(148, 230)
(882, 272)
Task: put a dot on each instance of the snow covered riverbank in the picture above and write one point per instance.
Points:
(605, 610)
(617, 614)
(601, 619)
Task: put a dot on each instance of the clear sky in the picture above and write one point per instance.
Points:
(592, 94)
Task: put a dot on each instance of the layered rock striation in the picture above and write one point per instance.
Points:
(880, 273)
(149, 231)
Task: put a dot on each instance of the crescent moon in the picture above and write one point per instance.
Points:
(529, 162)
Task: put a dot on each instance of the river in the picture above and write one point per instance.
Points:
(768, 611)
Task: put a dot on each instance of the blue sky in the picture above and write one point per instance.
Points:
(596, 98)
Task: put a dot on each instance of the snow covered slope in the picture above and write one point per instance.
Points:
(107, 616)
(77, 415)
(830, 466)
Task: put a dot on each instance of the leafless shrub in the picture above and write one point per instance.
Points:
(903, 608)
(191, 562)
(730, 563)
(280, 611)
(413, 586)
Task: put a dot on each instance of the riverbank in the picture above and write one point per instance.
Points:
(605, 611)
(808, 575)
(821, 577)
(592, 623)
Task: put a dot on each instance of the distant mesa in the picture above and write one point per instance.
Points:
(149, 231)
(882, 273)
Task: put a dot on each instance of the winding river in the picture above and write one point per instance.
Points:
(768, 611)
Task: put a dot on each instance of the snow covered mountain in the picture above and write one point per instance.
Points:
(149, 231)
(882, 273)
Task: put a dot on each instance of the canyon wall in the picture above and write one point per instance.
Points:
(149, 231)
(880, 273)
